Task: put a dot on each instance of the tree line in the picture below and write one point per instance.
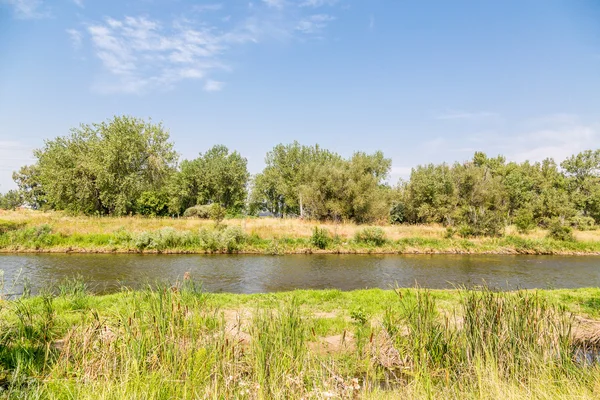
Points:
(128, 166)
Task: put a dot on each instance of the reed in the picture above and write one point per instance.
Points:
(175, 341)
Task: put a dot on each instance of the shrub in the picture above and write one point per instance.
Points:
(557, 230)
(373, 236)
(217, 213)
(524, 220)
(229, 239)
(233, 237)
(199, 211)
(153, 204)
(583, 223)
(398, 213)
(320, 238)
(8, 226)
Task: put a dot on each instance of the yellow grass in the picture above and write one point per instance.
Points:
(266, 228)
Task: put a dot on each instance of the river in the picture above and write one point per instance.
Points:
(105, 273)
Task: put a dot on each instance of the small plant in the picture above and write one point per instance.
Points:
(372, 236)
(557, 230)
(320, 238)
(217, 213)
(524, 220)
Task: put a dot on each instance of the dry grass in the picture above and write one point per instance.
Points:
(264, 227)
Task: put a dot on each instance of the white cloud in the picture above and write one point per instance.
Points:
(213, 86)
(318, 3)
(28, 9)
(208, 7)
(143, 54)
(78, 3)
(559, 143)
(76, 38)
(461, 115)
(275, 3)
(314, 24)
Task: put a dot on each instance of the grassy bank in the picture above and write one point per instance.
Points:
(178, 342)
(30, 231)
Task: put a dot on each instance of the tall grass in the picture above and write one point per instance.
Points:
(174, 342)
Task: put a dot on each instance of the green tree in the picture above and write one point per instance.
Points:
(104, 168)
(216, 176)
(11, 200)
(30, 187)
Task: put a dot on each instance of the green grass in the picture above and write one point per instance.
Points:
(179, 342)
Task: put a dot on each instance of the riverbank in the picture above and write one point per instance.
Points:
(32, 231)
(178, 342)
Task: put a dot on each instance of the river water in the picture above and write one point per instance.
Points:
(106, 273)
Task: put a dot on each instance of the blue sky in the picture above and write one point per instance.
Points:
(424, 81)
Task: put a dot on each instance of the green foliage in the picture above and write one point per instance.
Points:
(8, 226)
(104, 168)
(217, 213)
(583, 223)
(199, 211)
(398, 213)
(318, 184)
(524, 220)
(153, 204)
(372, 236)
(30, 187)
(11, 200)
(558, 230)
(217, 176)
(320, 238)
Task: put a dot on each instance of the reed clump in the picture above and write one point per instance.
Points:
(176, 341)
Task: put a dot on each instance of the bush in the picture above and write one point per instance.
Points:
(320, 238)
(481, 222)
(524, 220)
(557, 230)
(217, 212)
(8, 226)
(229, 239)
(153, 204)
(583, 223)
(398, 213)
(373, 236)
(199, 211)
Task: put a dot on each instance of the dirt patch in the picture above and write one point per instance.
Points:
(586, 332)
(334, 344)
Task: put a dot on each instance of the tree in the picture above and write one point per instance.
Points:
(318, 184)
(104, 168)
(30, 187)
(583, 175)
(11, 200)
(217, 176)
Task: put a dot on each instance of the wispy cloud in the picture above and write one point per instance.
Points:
(275, 3)
(318, 3)
(76, 38)
(207, 7)
(141, 54)
(461, 115)
(28, 9)
(78, 3)
(314, 24)
(213, 86)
